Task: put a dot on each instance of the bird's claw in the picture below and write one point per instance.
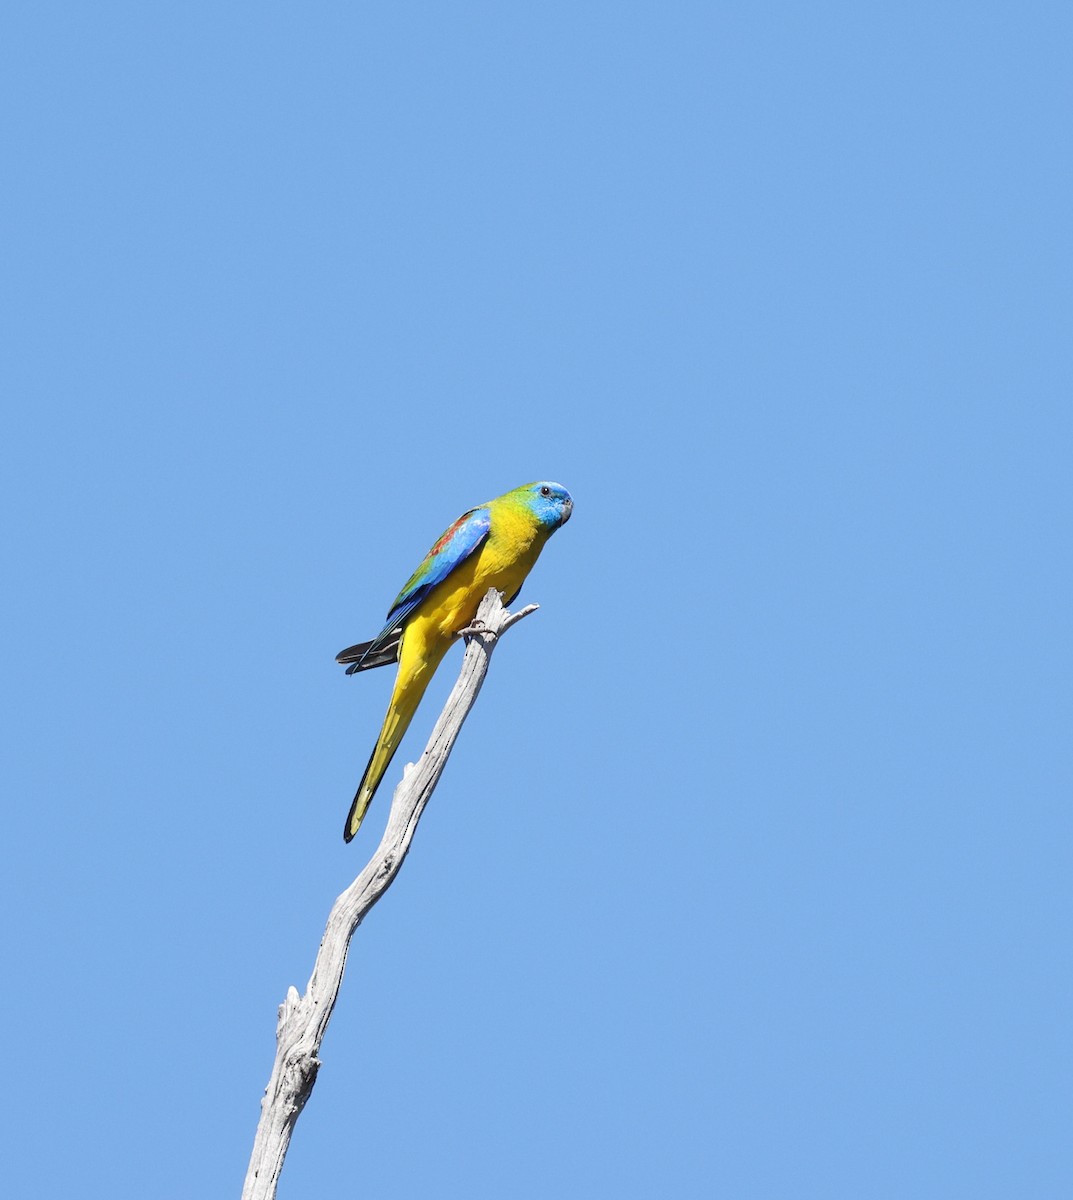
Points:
(475, 629)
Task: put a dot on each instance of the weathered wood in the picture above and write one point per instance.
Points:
(304, 1019)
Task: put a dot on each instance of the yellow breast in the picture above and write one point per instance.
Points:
(503, 561)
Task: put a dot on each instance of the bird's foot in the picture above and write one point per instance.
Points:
(476, 629)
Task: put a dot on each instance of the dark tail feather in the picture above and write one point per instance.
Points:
(354, 817)
(377, 653)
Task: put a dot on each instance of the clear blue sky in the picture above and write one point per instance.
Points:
(750, 876)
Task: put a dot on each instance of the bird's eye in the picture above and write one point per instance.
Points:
(545, 490)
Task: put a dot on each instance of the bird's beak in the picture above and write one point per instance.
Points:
(568, 508)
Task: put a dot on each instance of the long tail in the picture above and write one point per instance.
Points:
(410, 685)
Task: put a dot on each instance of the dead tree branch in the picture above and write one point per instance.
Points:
(304, 1019)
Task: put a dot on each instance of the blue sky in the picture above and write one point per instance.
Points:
(750, 874)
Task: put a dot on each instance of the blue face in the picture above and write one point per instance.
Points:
(551, 502)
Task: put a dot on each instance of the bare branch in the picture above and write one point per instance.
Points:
(304, 1019)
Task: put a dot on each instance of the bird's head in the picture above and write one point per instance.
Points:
(551, 503)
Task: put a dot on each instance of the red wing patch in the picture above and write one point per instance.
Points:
(447, 536)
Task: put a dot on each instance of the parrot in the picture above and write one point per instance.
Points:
(491, 546)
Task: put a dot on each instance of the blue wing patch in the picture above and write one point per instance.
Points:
(454, 546)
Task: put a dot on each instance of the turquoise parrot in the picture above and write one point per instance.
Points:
(492, 546)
